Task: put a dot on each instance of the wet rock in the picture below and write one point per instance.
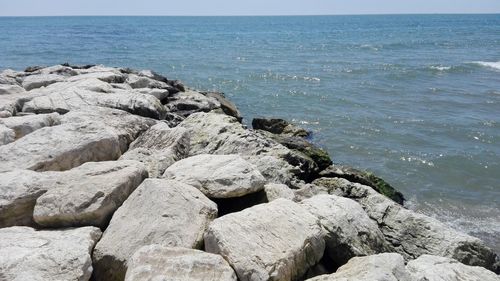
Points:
(278, 126)
(381, 267)
(227, 106)
(159, 147)
(162, 212)
(23, 125)
(27, 254)
(177, 264)
(410, 233)
(87, 195)
(279, 240)
(218, 176)
(364, 178)
(349, 230)
(60, 148)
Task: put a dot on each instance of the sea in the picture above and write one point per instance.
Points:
(412, 98)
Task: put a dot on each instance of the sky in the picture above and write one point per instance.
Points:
(239, 7)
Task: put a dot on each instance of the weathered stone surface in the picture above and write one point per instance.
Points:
(227, 106)
(12, 98)
(23, 125)
(218, 176)
(278, 126)
(106, 75)
(381, 267)
(159, 147)
(8, 77)
(155, 262)
(349, 230)
(275, 191)
(60, 148)
(365, 178)
(162, 212)
(88, 194)
(41, 80)
(26, 254)
(279, 240)
(7, 135)
(410, 233)
(433, 268)
(189, 102)
(136, 81)
(19, 190)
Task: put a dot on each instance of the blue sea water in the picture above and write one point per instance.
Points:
(413, 98)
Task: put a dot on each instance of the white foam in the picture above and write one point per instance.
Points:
(494, 65)
(440, 68)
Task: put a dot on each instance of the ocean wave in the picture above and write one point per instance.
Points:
(493, 65)
(440, 67)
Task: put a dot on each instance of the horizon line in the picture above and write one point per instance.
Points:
(257, 15)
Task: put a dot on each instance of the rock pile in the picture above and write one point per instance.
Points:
(116, 174)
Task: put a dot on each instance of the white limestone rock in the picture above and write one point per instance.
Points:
(279, 240)
(159, 211)
(159, 147)
(217, 176)
(40, 80)
(155, 262)
(275, 191)
(23, 125)
(7, 135)
(59, 255)
(87, 195)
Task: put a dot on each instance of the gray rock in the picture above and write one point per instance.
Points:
(177, 264)
(8, 77)
(12, 98)
(227, 106)
(159, 147)
(106, 75)
(26, 254)
(162, 212)
(87, 195)
(7, 135)
(41, 80)
(60, 148)
(136, 81)
(23, 125)
(279, 240)
(278, 126)
(381, 267)
(189, 102)
(433, 268)
(410, 233)
(349, 230)
(275, 191)
(217, 176)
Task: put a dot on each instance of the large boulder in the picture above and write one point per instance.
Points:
(12, 99)
(189, 102)
(410, 233)
(155, 262)
(159, 147)
(88, 194)
(278, 126)
(279, 240)
(7, 135)
(27, 254)
(218, 176)
(349, 230)
(60, 148)
(162, 212)
(381, 267)
(41, 80)
(226, 106)
(433, 268)
(364, 178)
(23, 125)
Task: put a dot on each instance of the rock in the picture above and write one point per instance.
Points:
(177, 264)
(433, 268)
(136, 81)
(7, 135)
(381, 267)
(278, 126)
(349, 230)
(105, 75)
(12, 98)
(410, 233)
(41, 80)
(27, 254)
(214, 133)
(23, 125)
(8, 77)
(63, 70)
(279, 240)
(159, 147)
(364, 178)
(189, 102)
(161, 94)
(19, 190)
(87, 195)
(218, 176)
(60, 148)
(63, 97)
(162, 212)
(227, 107)
(275, 191)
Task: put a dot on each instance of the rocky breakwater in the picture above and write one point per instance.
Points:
(116, 174)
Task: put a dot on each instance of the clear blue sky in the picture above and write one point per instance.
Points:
(240, 7)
